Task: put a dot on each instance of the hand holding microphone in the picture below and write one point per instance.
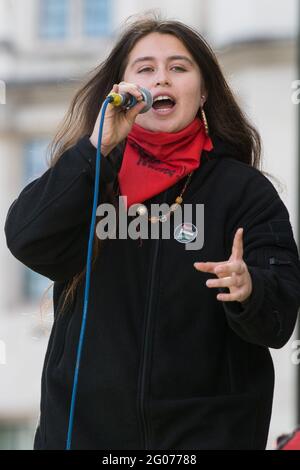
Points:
(128, 101)
(119, 121)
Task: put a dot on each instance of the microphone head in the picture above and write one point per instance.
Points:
(148, 98)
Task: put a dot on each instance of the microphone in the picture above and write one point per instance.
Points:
(127, 101)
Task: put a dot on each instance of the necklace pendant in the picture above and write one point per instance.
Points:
(163, 218)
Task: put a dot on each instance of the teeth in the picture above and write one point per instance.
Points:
(163, 97)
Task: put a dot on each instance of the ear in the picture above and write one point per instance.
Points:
(203, 98)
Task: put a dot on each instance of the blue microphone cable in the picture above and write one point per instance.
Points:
(108, 100)
(117, 100)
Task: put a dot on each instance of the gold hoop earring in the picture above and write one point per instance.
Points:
(204, 121)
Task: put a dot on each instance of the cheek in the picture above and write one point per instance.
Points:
(137, 79)
(189, 85)
(192, 96)
(143, 80)
(190, 100)
(126, 77)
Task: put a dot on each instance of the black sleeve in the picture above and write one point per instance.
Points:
(111, 164)
(47, 226)
(269, 315)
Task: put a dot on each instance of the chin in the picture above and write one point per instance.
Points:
(158, 125)
(163, 126)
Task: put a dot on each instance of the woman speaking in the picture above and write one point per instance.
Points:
(176, 350)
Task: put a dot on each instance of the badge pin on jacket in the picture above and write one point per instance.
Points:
(185, 233)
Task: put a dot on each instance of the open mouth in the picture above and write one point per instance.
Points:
(163, 104)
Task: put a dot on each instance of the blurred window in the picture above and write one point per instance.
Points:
(96, 17)
(34, 166)
(16, 436)
(35, 159)
(54, 16)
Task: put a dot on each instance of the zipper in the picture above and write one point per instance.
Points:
(149, 308)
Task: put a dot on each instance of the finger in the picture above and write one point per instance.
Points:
(130, 85)
(130, 88)
(237, 246)
(134, 111)
(229, 297)
(208, 266)
(229, 268)
(223, 282)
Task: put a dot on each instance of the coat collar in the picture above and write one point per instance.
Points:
(221, 148)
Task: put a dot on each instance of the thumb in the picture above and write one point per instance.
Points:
(132, 113)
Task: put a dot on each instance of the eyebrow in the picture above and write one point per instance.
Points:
(172, 57)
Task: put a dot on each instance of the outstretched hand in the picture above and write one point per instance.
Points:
(233, 273)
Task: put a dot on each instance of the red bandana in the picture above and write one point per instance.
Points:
(154, 161)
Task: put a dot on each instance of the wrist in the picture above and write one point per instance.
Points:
(104, 149)
(246, 301)
(93, 141)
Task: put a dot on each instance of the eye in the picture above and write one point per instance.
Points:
(175, 66)
(143, 70)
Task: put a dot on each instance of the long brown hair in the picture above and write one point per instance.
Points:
(224, 116)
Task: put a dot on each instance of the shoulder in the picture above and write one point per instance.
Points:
(252, 198)
(240, 187)
(238, 177)
(246, 179)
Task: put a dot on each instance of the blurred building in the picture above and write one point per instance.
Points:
(45, 49)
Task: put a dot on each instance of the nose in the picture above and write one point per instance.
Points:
(162, 77)
(162, 81)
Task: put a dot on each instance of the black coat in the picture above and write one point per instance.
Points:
(165, 365)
